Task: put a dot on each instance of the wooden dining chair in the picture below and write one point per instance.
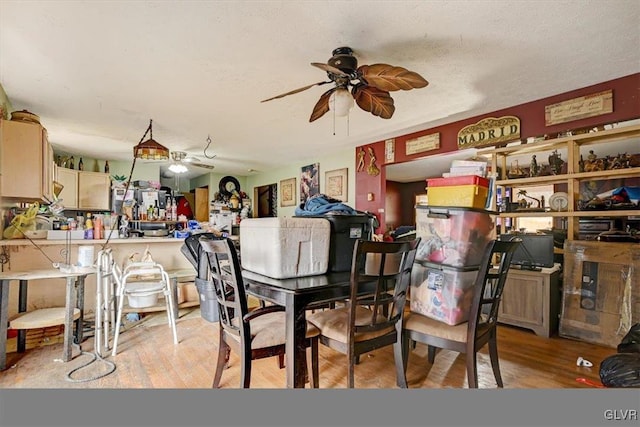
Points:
(468, 337)
(251, 334)
(372, 316)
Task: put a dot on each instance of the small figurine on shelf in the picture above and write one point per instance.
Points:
(555, 162)
(534, 169)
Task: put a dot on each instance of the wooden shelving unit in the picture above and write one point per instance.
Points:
(570, 150)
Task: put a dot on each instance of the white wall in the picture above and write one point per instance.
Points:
(328, 162)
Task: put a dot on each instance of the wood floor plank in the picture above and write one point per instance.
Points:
(147, 358)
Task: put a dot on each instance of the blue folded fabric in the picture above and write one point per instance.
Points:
(321, 204)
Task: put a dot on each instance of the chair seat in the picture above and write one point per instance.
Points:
(334, 324)
(428, 326)
(423, 324)
(268, 330)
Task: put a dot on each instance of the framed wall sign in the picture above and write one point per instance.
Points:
(336, 184)
(288, 192)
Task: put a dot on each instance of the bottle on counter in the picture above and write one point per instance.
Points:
(150, 213)
(174, 210)
(88, 227)
(97, 227)
(168, 210)
(156, 211)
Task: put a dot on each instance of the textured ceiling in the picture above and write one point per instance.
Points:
(96, 72)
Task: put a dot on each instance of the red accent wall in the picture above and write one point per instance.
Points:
(626, 106)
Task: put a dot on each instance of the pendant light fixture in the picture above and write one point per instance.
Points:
(150, 149)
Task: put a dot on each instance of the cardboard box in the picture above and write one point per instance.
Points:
(601, 291)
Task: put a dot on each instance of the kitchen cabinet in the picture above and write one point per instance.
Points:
(531, 300)
(94, 190)
(69, 194)
(84, 190)
(26, 162)
(572, 149)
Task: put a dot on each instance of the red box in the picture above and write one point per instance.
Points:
(458, 180)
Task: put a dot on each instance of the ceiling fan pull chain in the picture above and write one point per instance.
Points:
(334, 122)
(205, 148)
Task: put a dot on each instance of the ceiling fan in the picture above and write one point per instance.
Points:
(180, 160)
(370, 85)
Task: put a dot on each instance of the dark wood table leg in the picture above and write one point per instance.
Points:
(296, 328)
(4, 319)
(69, 305)
(22, 307)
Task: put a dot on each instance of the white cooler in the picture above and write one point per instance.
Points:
(285, 247)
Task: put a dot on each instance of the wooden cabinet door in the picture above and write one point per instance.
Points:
(93, 190)
(201, 209)
(523, 298)
(21, 160)
(69, 194)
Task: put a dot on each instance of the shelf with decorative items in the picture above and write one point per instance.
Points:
(602, 158)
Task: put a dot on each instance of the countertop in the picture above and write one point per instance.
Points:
(131, 240)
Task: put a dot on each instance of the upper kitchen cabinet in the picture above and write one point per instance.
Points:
(69, 180)
(93, 190)
(26, 162)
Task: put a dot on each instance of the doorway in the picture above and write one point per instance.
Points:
(266, 199)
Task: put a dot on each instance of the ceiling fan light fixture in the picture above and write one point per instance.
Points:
(341, 102)
(150, 149)
(177, 168)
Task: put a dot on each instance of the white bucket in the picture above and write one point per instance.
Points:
(85, 256)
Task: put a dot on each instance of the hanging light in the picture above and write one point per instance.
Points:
(341, 102)
(177, 168)
(150, 149)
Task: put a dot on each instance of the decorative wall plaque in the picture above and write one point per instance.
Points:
(579, 108)
(489, 131)
(423, 143)
(390, 150)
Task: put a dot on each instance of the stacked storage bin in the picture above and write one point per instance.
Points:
(455, 228)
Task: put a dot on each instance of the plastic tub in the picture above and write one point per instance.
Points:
(453, 236)
(470, 191)
(442, 293)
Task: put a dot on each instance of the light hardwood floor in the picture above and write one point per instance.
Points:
(147, 358)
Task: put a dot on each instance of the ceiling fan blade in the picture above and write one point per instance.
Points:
(377, 102)
(296, 91)
(330, 69)
(322, 106)
(390, 78)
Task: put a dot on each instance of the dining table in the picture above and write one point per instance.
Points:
(297, 294)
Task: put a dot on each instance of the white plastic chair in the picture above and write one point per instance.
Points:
(139, 280)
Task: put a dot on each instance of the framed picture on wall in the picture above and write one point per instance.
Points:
(335, 184)
(288, 192)
(309, 181)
